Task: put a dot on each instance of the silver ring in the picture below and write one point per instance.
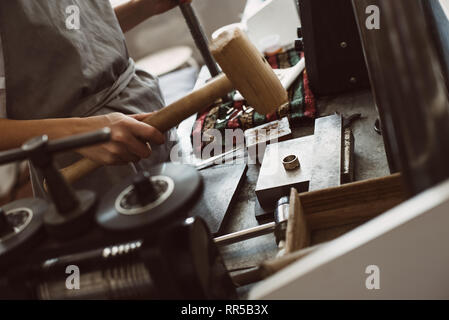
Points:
(291, 162)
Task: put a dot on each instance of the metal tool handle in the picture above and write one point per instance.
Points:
(246, 234)
(56, 146)
(199, 36)
(79, 141)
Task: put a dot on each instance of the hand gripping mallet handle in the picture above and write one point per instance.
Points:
(246, 70)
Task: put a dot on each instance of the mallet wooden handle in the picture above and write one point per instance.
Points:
(165, 119)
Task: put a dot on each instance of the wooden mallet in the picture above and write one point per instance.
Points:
(245, 69)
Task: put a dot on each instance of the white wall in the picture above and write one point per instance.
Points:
(170, 28)
(445, 5)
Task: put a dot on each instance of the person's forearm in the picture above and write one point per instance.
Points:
(132, 13)
(130, 136)
(13, 133)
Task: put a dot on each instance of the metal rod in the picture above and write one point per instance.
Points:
(245, 234)
(200, 37)
(221, 158)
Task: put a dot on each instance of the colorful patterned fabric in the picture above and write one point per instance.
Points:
(233, 115)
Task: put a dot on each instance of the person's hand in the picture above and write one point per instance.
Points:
(156, 7)
(130, 139)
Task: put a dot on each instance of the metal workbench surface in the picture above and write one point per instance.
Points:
(370, 162)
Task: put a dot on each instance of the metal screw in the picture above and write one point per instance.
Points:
(344, 44)
(353, 80)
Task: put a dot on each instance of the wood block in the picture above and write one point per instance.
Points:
(298, 234)
(328, 214)
(353, 202)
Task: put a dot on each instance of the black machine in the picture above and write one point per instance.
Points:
(406, 63)
(407, 59)
(331, 43)
(136, 242)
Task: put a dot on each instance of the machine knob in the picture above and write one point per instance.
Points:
(144, 188)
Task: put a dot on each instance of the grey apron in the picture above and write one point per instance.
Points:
(55, 72)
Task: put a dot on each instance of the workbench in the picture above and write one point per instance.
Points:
(370, 162)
